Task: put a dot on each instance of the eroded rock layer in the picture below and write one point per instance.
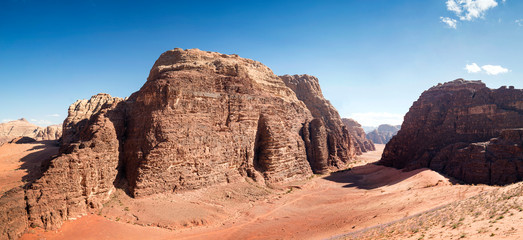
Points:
(202, 118)
(450, 129)
(328, 131)
(358, 134)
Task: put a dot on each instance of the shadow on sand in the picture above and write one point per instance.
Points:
(36, 163)
(371, 176)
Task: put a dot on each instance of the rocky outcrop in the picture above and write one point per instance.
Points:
(358, 134)
(13, 214)
(83, 176)
(498, 161)
(202, 118)
(383, 133)
(451, 127)
(328, 130)
(51, 132)
(23, 128)
(81, 111)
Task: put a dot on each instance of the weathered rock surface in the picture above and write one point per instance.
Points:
(82, 177)
(51, 132)
(450, 129)
(202, 118)
(23, 128)
(357, 132)
(383, 134)
(13, 214)
(328, 131)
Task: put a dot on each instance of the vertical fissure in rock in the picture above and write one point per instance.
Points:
(260, 154)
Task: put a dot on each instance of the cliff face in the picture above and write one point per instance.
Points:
(202, 118)
(327, 129)
(450, 129)
(383, 134)
(357, 132)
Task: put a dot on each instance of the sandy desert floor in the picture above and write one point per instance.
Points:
(329, 206)
(20, 163)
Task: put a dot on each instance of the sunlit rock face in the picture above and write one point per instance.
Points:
(463, 129)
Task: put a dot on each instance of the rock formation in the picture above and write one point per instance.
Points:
(383, 133)
(23, 128)
(357, 132)
(202, 118)
(463, 129)
(327, 129)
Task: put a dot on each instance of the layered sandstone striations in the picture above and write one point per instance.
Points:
(357, 132)
(463, 129)
(383, 134)
(23, 128)
(326, 131)
(202, 118)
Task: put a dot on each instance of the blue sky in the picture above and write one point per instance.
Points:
(373, 57)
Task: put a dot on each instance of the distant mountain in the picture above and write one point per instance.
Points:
(369, 129)
(383, 133)
(23, 128)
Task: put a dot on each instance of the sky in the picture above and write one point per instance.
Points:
(373, 58)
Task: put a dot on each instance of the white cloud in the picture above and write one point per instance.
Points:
(377, 118)
(454, 7)
(6, 120)
(489, 69)
(468, 10)
(54, 115)
(494, 69)
(473, 68)
(519, 22)
(449, 21)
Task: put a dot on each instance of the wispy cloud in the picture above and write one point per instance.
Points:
(377, 118)
(494, 69)
(54, 115)
(467, 10)
(449, 21)
(519, 22)
(473, 68)
(489, 69)
(40, 122)
(6, 120)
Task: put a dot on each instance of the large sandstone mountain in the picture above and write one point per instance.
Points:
(383, 133)
(23, 128)
(326, 131)
(202, 118)
(355, 129)
(463, 129)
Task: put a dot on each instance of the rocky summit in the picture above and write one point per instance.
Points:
(463, 129)
(202, 118)
(355, 129)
